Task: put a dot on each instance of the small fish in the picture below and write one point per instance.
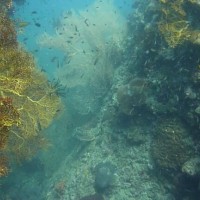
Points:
(22, 24)
(76, 29)
(86, 22)
(153, 50)
(34, 12)
(96, 61)
(53, 59)
(37, 24)
(58, 64)
(43, 70)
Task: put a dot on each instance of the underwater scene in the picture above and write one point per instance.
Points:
(100, 100)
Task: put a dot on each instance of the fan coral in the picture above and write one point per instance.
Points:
(25, 104)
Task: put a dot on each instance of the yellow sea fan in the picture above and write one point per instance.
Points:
(175, 33)
(33, 99)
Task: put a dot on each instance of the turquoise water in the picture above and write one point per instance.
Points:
(47, 16)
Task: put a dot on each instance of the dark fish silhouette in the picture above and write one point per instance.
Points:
(37, 24)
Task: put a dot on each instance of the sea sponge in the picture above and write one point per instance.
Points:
(104, 174)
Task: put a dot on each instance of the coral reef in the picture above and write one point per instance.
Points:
(149, 119)
(168, 59)
(140, 111)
